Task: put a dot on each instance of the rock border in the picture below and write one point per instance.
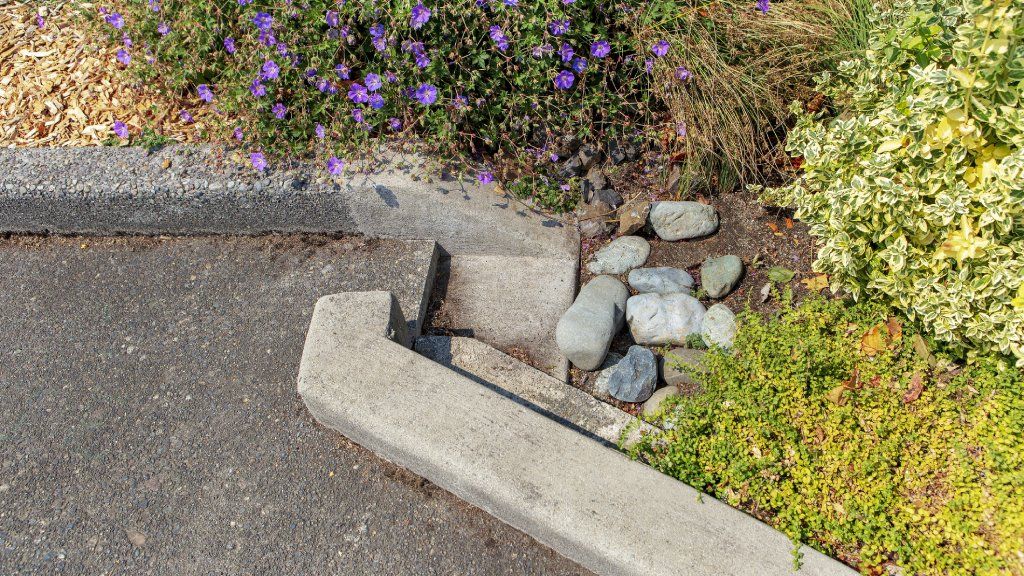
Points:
(587, 501)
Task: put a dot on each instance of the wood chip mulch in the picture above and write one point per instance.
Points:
(60, 85)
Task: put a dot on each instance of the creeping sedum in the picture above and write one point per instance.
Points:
(916, 187)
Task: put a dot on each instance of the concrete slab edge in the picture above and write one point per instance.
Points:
(188, 190)
(585, 500)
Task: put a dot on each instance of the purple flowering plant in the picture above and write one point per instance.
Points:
(328, 76)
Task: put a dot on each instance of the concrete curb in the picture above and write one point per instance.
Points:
(588, 502)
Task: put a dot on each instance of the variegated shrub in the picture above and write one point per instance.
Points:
(914, 182)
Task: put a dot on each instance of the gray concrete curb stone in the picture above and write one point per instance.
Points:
(588, 502)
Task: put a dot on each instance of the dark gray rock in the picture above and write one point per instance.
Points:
(661, 280)
(608, 196)
(587, 328)
(588, 155)
(683, 220)
(673, 363)
(571, 168)
(620, 151)
(634, 377)
(719, 276)
(620, 256)
(594, 180)
(566, 145)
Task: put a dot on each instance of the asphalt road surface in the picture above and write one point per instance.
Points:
(149, 422)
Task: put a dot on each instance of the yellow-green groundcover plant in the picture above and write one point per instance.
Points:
(914, 179)
(836, 425)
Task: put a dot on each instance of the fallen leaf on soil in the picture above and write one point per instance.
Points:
(773, 227)
(780, 275)
(873, 340)
(916, 387)
(766, 292)
(836, 395)
(816, 283)
(789, 222)
(895, 328)
(921, 347)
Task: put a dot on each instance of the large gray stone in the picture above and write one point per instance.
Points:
(620, 256)
(719, 276)
(606, 368)
(718, 328)
(683, 220)
(663, 318)
(587, 328)
(634, 377)
(663, 280)
(673, 364)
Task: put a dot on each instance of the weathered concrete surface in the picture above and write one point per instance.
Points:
(149, 385)
(195, 190)
(589, 502)
(530, 387)
(511, 303)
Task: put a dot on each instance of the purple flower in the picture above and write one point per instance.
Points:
(579, 65)
(323, 85)
(660, 48)
(395, 124)
(373, 82)
(115, 20)
(559, 27)
(423, 61)
(186, 117)
(564, 80)
(485, 177)
(649, 65)
(239, 135)
(380, 43)
(390, 76)
(257, 88)
(499, 37)
(332, 18)
(426, 94)
(124, 57)
(263, 21)
(420, 15)
(205, 94)
(763, 6)
(376, 101)
(357, 93)
(335, 166)
(229, 45)
(357, 115)
(120, 129)
(127, 40)
(540, 51)
(600, 49)
(460, 102)
(320, 131)
(681, 129)
(164, 28)
(682, 74)
(244, 2)
(270, 70)
(267, 39)
(259, 161)
(154, 5)
(279, 111)
(566, 52)
(377, 31)
(40, 23)
(310, 72)
(342, 71)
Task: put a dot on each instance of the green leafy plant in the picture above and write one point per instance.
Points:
(916, 187)
(833, 422)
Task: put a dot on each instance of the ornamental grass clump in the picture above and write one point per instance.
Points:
(837, 425)
(914, 183)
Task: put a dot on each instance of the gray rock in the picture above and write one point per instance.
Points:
(571, 168)
(683, 220)
(634, 377)
(608, 196)
(606, 368)
(719, 276)
(566, 145)
(653, 404)
(588, 155)
(594, 180)
(718, 327)
(663, 280)
(621, 151)
(594, 220)
(675, 360)
(620, 256)
(585, 331)
(663, 318)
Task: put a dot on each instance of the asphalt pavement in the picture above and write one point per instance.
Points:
(149, 422)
